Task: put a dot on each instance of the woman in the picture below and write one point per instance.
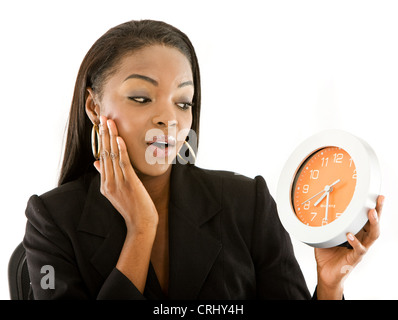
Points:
(140, 223)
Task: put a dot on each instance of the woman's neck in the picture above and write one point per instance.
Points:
(158, 188)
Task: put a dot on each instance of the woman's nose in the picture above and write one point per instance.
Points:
(166, 115)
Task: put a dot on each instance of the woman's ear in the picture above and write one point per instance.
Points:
(92, 108)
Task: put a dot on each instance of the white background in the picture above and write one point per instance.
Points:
(273, 73)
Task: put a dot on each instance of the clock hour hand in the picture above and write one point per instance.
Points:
(336, 182)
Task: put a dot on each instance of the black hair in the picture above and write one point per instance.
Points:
(98, 64)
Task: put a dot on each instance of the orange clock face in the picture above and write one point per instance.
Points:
(324, 186)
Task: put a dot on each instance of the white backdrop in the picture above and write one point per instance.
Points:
(273, 73)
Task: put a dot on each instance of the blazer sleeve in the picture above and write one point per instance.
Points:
(47, 244)
(277, 271)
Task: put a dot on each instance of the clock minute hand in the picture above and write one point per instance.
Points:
(327, 207)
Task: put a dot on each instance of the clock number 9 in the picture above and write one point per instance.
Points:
(306, 188)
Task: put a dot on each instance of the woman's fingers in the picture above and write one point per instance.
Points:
(373, 226)
(369, 234)
(359, 249)
(124, 161)
(114, 164)
(379, 205)
(106, 163)
(119, 182)
(114, 151)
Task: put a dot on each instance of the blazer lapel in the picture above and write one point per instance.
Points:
(101, 219)
(194, 244)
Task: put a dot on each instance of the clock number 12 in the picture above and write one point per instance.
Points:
(338, 158)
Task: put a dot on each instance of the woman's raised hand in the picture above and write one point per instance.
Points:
(119, 182)
(122, 187)
(333, 264)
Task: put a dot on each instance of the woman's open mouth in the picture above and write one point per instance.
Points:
(161, 146)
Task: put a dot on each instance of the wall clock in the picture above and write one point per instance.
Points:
(327, 187)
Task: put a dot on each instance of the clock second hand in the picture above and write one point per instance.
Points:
(327, 190)
(337, 181)
(313, 196)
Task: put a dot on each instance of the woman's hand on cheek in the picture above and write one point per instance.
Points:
(334, 264)
(119, 182)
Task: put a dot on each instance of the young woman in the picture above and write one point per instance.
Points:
(131, 219)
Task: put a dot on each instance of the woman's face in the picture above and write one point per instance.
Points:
(149, 97)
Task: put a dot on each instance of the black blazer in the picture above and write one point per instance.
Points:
(225, 241)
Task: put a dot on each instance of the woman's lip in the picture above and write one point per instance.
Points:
(158, 152)
(170, 140)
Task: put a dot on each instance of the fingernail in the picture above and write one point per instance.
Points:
(374, 214)
(350, 237)
(101, 120)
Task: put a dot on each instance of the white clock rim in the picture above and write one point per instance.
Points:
(366, 191)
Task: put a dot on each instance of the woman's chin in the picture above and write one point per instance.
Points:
(152, 170)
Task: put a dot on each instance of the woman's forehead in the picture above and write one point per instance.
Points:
(158, 63)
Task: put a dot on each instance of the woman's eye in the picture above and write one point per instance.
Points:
(140, 99)
(184, 105)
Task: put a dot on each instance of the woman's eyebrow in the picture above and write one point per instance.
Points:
(186, 83)
(154, 82)
(140, 76)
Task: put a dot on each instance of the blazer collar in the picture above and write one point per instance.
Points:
(195, 198)
(192, 192)
(100, 219)
(98, 213)
(195, 193)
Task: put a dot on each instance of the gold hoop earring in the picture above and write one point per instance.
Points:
(191, 151)
(95, 136)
